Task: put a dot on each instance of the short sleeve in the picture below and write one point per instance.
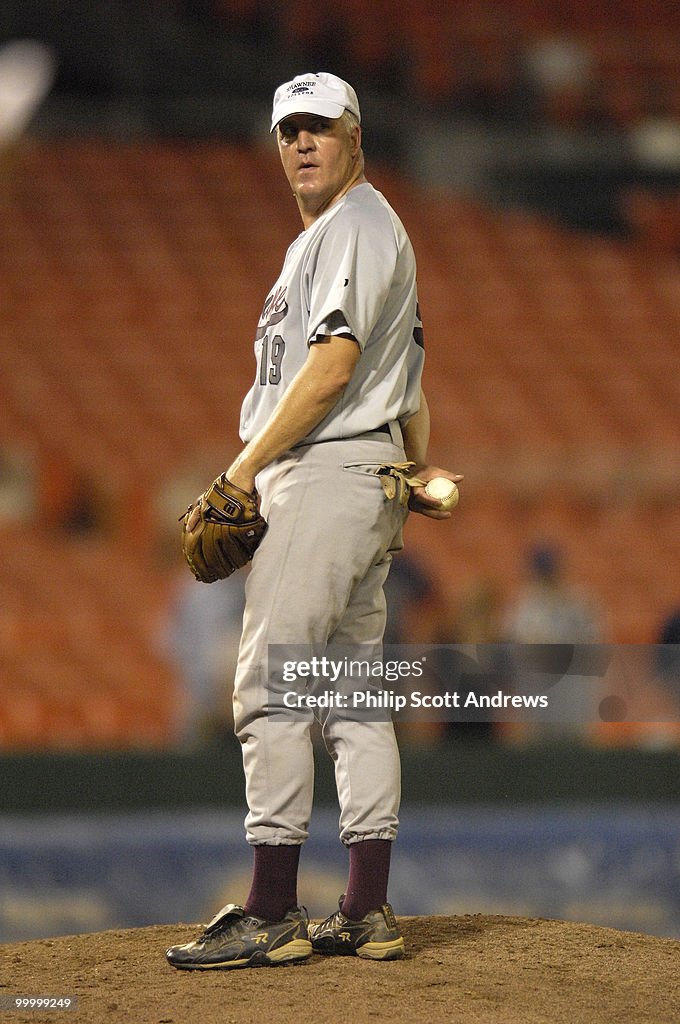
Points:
(352, 274)
(335, 323)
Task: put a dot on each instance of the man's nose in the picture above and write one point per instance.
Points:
(305, 140)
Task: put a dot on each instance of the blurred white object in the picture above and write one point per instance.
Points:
(656, 143)
(27, 71)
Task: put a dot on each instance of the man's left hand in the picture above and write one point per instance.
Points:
(420, 501)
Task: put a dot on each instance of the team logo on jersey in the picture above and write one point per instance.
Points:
(274, 311)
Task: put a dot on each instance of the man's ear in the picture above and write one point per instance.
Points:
(356, 139)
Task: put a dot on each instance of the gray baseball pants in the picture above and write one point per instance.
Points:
(318, 578)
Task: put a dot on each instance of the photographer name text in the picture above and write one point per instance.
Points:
(387, 699)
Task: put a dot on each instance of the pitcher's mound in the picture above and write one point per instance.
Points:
(472, 970)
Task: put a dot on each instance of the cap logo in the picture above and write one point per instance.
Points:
(301, 87)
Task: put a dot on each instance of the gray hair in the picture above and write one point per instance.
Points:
(349, 120)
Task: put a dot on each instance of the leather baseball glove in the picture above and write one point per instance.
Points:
(226, 529)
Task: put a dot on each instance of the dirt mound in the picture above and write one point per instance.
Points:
(473, 970)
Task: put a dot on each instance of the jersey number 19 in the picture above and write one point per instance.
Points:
(271, 357)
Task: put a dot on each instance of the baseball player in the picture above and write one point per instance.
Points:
(336, 408)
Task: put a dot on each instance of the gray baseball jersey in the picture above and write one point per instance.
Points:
(352, 272)
(318, 574)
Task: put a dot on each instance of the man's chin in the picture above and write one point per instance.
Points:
(310, 197)
(307, 187)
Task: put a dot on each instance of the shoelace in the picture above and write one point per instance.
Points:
(337, 918)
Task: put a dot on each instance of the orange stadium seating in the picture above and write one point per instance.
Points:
(131, 278)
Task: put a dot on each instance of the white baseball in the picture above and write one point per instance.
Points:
(444, 490)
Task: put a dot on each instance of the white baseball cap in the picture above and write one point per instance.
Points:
(322, 93)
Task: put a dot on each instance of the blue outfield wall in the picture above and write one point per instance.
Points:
(608, 865)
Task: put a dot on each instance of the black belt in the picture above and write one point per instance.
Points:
(383, 429)
(393, 431)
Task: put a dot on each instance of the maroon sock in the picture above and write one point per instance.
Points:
(273, 890)
(369, 869)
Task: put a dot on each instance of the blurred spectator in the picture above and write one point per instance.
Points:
(479, 618)
(670, 628)
(79, 503)
(412, 607)
(478, 621)
(548, 610)
(413, 612)
(17, 485)
(551, 615)
(201, 637)
(668, 653)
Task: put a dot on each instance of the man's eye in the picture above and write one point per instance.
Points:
(290, 132)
